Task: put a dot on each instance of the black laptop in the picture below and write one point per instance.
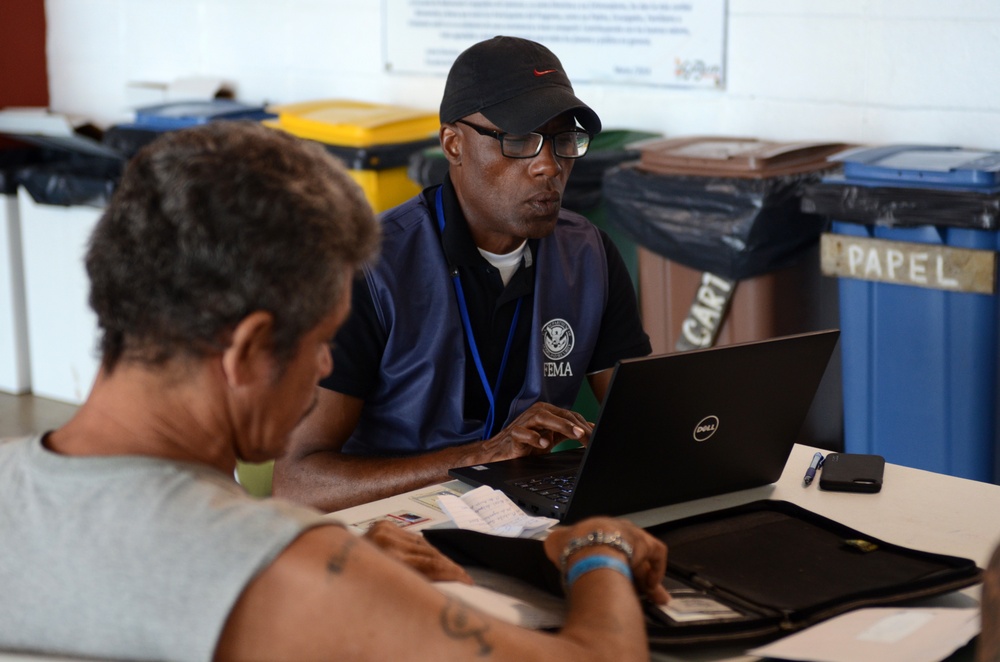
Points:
(676, 427)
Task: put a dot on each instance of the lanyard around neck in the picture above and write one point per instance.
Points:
(463, 309)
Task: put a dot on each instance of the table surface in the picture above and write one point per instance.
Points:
(915, 508)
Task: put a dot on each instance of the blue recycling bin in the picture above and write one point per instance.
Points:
(151, 121)
(913, 241)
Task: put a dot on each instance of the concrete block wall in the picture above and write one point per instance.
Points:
(862, 71)
(855, 70)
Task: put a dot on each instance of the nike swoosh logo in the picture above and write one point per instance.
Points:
(543, 73)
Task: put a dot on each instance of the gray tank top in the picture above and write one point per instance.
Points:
(128, 557)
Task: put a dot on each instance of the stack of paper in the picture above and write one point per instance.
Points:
(489, 511)
(886, 634)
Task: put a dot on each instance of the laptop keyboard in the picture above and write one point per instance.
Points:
(555, 487)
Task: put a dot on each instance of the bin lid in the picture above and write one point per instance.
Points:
(355, 123)
(724, 156)
(181, 114)
(922, 165)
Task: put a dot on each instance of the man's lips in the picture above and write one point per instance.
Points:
(546, 202)
(550, 197)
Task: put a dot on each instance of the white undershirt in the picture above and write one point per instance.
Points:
(507, 263)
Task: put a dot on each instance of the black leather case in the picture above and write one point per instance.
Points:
(756, 571)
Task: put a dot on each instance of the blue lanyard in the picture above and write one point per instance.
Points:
(491, 393)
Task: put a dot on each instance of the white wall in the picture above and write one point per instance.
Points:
(865, 71)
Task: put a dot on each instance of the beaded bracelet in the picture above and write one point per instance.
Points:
(613, 540)
(595, 562)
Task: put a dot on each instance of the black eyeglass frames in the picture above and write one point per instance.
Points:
(568, 144)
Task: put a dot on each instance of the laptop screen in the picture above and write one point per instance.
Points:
(682, 426)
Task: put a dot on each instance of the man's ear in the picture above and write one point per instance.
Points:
(248, 356)
(451, 143)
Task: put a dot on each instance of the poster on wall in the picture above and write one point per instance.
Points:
(677, 44)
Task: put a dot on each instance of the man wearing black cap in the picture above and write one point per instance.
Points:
(470, 338)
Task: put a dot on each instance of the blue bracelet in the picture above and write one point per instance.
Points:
(596, 562)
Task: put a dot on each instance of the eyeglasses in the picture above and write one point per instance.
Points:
(568, 144)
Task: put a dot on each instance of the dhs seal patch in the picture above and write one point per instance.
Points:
(557, 336)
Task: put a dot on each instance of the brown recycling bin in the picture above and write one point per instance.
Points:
(790, 300)
(725, 253)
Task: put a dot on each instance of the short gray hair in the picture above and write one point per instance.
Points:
(212, 223)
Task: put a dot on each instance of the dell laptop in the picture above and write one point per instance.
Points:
(676, 427)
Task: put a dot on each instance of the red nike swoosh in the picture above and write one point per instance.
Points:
(543, 73)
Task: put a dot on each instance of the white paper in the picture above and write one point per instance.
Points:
(640, 43)
(39, 126)
(896, 627)
(691, 609)
(151, 93)
(195, 87)
(35, 121)
(883, 633)
(490, 511)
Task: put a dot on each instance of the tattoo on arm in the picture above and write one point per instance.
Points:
(460, 622)
(335, 564)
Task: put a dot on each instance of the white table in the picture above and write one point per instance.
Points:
(915, 508)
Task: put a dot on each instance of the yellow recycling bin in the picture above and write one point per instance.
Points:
(375, 141)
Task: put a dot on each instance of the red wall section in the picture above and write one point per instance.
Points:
(23, 75)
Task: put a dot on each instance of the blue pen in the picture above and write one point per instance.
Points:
(816, 463)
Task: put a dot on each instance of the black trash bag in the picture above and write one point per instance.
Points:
(427, 167)
(79, 180)
(127, 140)
(734, 228)
(898, 206)
(584, 190)
(14, 159)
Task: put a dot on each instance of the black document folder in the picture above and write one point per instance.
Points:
(747, 573)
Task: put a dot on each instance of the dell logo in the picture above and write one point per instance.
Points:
(706, 428)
